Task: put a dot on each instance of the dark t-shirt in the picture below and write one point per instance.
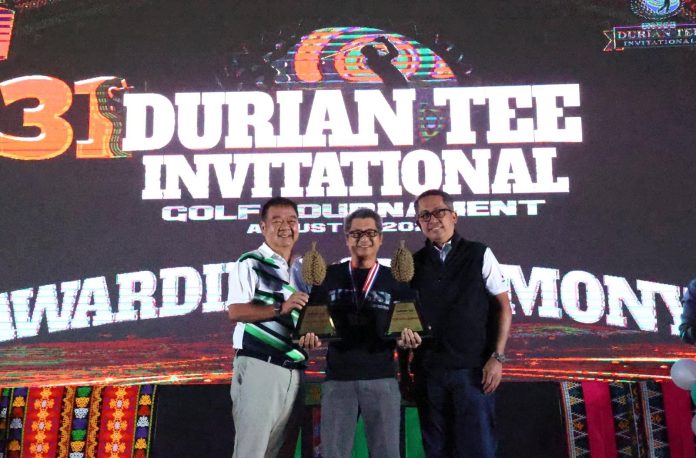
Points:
(361, 322)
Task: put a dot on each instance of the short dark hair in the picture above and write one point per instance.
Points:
(362, 213)
(277, 202)
(446, 198)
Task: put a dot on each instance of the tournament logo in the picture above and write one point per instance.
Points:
(658, 34)
(323, 123)
(656, 10)
(333, 56)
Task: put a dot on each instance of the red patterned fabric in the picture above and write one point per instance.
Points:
(678, 419)
(117, 427)
(600, 420)
(42, 422)
(76, 422)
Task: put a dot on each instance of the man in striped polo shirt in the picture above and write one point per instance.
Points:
(265, 304)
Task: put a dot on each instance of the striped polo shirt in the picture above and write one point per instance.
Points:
(263, 277)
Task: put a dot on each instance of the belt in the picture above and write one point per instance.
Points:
(277, 360)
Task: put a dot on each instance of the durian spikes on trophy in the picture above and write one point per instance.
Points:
(402, 263)
(314, 267)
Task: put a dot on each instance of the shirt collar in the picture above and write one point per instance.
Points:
(451, 242)
(444, 251)
(268, 252)
(446, 247)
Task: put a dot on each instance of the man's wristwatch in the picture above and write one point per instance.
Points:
(500, 357)
(277, 307)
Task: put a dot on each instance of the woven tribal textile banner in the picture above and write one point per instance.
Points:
(645, 419)
(76, 422)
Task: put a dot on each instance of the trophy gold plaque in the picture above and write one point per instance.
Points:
(405, 315)
(316, 319)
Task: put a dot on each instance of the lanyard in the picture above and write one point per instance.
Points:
(367, 286)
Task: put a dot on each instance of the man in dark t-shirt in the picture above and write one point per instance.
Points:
(360, 367)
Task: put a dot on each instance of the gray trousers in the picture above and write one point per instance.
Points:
(263, 396)
(377, 401)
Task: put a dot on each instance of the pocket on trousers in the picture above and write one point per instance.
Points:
(238, 367)
(326, 388)
(392, 388)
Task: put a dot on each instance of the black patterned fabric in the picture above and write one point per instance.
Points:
(628, 420)
(654, 419)
(575, 419)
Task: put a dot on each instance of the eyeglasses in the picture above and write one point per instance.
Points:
(357, 235)
(439, 214)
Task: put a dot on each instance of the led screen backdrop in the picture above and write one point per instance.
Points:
(139, 141)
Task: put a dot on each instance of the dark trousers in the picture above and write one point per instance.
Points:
(457, 419)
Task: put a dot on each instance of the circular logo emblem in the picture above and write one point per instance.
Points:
(656, 9)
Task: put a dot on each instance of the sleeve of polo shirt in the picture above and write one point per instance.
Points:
(496, 282)
(242, 283)
(296, 279)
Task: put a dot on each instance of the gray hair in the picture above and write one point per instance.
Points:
(362, 213)
(446, 198)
